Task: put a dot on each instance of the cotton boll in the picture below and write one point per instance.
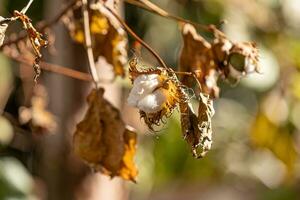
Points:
(142, 86)
(145, 84)
(153, 102)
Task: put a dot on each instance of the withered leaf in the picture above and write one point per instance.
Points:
(197, 130)
(209, 61)
(40, 118)
(196, 56)
(102, 140)
(109, 40)
(3, 27)
(37, 40)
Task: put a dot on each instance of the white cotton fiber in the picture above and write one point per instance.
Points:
(146, 94)
(142, 86)
(153, 102)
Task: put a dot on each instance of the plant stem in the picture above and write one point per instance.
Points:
(43, 26)
(65, 71)
(135, 36)
(151, 7)
(88, 42)
(24, 10)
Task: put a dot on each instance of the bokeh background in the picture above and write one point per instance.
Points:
(256, 127)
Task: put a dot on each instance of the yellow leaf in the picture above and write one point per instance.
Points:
(109, 40)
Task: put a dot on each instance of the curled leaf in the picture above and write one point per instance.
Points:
(103, 141)
(109, 40)
(209, 61)
(196, 56)
(197, 130)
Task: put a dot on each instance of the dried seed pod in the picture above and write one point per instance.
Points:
(156, 92)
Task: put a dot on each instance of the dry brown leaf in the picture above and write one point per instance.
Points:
(102, 140)
(37, 40)
(41, 119)
(3, 27)
(208, 61)
(109, 40)
(197, 130)
(196, 56)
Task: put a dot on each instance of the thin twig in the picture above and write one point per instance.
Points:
(184, 73)
(88, 42)
(42, 26)
(133, 34)
(24, 10)
(66, 71)
(151, 7)
(54, 68)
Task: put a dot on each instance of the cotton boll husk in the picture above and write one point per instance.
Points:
(153, 102)
(142, 86)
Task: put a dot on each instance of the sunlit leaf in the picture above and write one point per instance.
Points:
(196, 56)
(102, 140)
(220, 58)
(197, 130)
(109, 40)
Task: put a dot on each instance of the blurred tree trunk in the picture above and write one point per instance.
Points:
(64, 175)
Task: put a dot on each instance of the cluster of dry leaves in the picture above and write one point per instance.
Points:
(102, 139)
(37, 40)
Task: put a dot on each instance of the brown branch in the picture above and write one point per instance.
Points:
(43, 25)
(88, 42)
(65, 71)
(54, 68)
(133, 34)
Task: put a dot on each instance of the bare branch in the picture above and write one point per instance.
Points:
(133, 34)
(151, 7)
(88, 42)
(65, 71)
(41, 27)
(24, 10)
